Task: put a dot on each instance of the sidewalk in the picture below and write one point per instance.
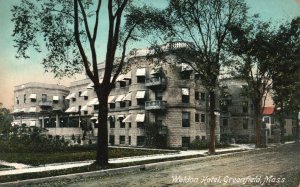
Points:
(22, 168)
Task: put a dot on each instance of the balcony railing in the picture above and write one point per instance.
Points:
(45, 103)
(156, 81)
(156, 105)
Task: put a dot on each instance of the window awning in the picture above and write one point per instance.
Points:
(23, 110)
(121, 116)
(186, 67)
(55, 98)
(141, 72)
(71, 95)
(84, 94)
(127, 76)
(127, 119)
(120, 78)
(72, 110)
(140, 118)
(32, 109)
(32, 123)
(94, 118)
(185, 91)
(127, 97)
(84, 108)
(93, 102)
(111, 99)
(32, 96)
(140, 94)
(120, 98)
(16, 110)
(90, 86)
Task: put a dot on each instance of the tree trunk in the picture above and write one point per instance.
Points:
(258, 127)
(297, 129)
(102, 143)
(281, 121)
(212, 122)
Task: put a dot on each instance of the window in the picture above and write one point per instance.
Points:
(55, 101)
(122, 124)
(79, 93)
(203, 118)
(96, 107)
(203, 138)
(32, 98)
(112, 105)
(122, 104)
(129, 140)
(111, 139)
(17, 100)
(79, 108)
(86, 98)
(85, 112)
(185, 141)
(245, 107)
(129, 125)
(140, 101)
(197, 76)
(111, 122)
(202, 96)
(141, 79)
(140, 140)
(196, 95)
(44, 97)
(196, 117)
(266, 119)
(245, 123)
(122, 139)
(185, 75)
(122, 84)
(225, 122)
(185, 95)
(24, 98)
(129, 103)
(73, 99)
(140, 124)
(185, 119)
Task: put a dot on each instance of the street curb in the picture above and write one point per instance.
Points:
(109, 172)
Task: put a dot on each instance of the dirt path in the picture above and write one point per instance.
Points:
(264, 167)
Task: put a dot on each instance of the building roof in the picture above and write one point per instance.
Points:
(269, 110)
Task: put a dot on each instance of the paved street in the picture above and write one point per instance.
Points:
(272, 166)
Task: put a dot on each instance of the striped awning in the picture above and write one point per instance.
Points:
(141, 72)
(84, 108)
(127, 119)
(127, 97)
(32, 96)
(72, 110)
(140, 118)
(140, 94)
(84, 93)
(93, 102)
(120, 98)
(111, 99)
(71, 95)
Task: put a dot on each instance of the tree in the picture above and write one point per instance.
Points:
(69, 31)
(286, 73)
(257, 50)
(5, 119)
(203, 26)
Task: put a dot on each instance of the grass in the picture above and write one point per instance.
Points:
(4, 167)
(43, 158)
(89, 168)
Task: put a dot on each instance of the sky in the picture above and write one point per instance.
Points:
(19, 71)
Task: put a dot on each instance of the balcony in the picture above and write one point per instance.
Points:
(43, 103)
(156, 82)
(156, 105)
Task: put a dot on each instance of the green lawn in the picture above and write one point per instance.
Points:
(70, 156)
